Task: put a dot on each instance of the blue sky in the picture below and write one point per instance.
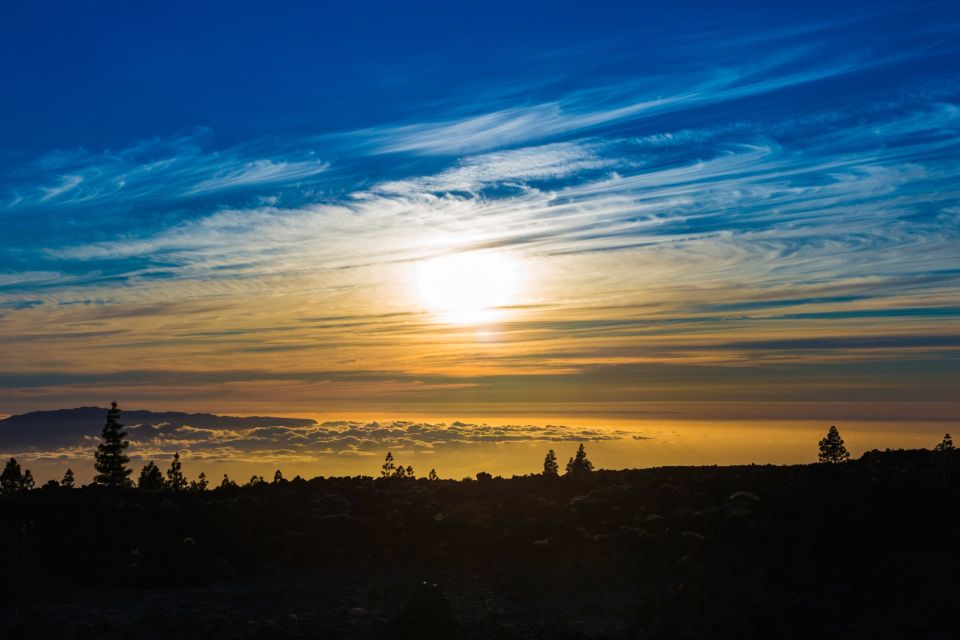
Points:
(221, 206)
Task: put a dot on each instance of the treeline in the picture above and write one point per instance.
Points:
(112, 466)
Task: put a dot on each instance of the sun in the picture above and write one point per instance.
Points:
(467, 288)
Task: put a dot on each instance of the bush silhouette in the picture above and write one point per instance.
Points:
(111, 461)
(151, 479)
(579, 465)
(550, 467)
(832, 449)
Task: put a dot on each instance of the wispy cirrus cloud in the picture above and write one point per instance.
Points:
(585, 111)
(690, 215)
(150, 171)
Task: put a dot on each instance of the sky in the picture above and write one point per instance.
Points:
(689, 211)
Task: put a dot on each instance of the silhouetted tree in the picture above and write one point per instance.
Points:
(400, 472)
(151, 478)
(255, 480)
(483, 476)
(111, 461)
(433, 475)
(51, 484)
(67, 481)
(579, 465)
(550, 467)
(200, 484)
(389, 469)
(27, 482)
(11, 480)
(410, 473)
(227, 483)
(175, 479)
(946, 444)
(832, 448)
(277, 477)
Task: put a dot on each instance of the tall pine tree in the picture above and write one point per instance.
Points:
(175, 479)
(550, 467)
(11, 480)
(832, 448)
(579, 465)
(151, 479)
(389, 468)
(111, 461)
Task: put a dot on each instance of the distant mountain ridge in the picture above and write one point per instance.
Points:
(66, 427)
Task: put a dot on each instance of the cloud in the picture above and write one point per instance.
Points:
(588, 110)
(316, 441)
(151, 171)
(518, 166)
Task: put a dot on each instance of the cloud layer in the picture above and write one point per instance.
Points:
(66, 436)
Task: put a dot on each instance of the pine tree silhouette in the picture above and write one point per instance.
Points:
(175, 479)
(11, 480)
(579, 465)
(27, 483)
(832, 449)
(200, 484)
(389, 469)
(67, 481)
(550, 467)
(151, 479)
(946, 444)
(410, 473)
(111, 461)
(433, 475)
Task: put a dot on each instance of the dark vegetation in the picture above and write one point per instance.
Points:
(857, 549)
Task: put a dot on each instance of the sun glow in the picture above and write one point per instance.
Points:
(467, 288)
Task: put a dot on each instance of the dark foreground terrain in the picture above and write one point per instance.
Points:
(865, 549)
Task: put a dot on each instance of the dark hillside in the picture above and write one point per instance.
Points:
(864, 549)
